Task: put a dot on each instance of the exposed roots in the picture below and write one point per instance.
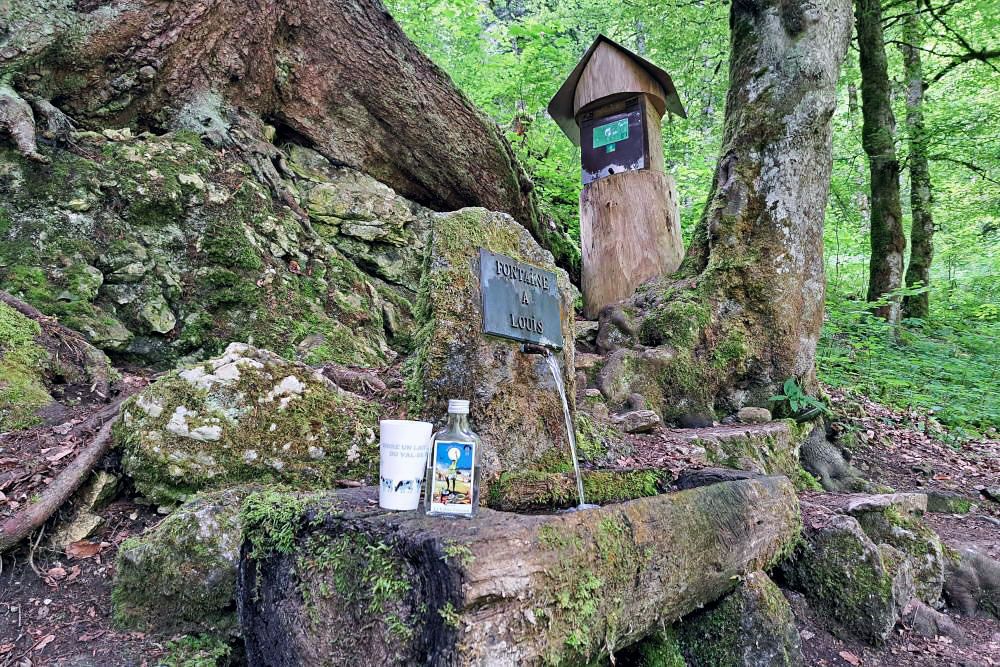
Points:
(57, 127)
(17, 120)
(34, 516)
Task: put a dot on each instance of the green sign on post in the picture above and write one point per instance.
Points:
(610, 133)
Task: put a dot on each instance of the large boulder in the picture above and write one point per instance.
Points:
(861, 586)
(895, 519)
(750, 627)
(516, 406)
(181, 575)
(160, 248)
(246, 415)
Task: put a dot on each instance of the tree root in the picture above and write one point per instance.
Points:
(58, 125)
(92, 360)
(359, 382)
(21, 525)
(612, 317)
(17, 120)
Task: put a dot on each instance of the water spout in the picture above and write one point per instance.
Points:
(553, 365)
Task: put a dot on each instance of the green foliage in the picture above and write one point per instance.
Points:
(270, 520)
(799, 404)
(196, 651)
(946, 365)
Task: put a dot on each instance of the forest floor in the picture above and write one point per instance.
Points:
(55, 605)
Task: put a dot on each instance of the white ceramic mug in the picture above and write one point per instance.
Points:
(403, 447)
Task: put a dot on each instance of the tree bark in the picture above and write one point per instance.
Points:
(918, 273)
(748, 313)
(878, 137)
(363, 586)
(340, 77)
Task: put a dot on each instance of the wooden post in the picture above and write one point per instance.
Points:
(612, 105)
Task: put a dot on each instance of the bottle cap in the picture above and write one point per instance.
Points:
(457, 407)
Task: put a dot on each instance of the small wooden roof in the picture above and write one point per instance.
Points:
(606, 69)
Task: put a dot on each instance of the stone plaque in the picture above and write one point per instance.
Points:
(520, 301)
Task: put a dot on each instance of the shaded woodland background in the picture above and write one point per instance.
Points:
(509, 57)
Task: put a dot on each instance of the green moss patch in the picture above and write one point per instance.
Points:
(23, 364)
(535, 490)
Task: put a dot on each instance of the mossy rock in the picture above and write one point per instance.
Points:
(533, 490)
(22, 365)
(180, 576)
(158, 248)
(751, 626)
(248, 415)
(896, 521)
(860, 586)
(516, 406)
(659, 650)
(947, 502)
(770, 449)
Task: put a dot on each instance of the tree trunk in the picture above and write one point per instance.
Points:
(340, 77)
(918, 273)
(878, 136)
(748, 314)
(366, 587)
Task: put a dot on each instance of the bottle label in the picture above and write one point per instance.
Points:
(454, 475)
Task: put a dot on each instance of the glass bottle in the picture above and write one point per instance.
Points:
(451, 487)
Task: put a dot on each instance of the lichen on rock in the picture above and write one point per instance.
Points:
(246, 415)
(859, 585)
(181, 575)
(160, 248)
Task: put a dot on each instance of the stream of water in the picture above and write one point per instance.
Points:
(553, 365)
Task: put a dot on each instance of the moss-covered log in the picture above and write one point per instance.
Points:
(350, 584)
(525, 491)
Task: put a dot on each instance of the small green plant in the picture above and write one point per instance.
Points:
(450, 616)
(196, 651)
(459, 552)
(801, 405)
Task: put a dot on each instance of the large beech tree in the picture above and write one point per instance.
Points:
(336, 75)
(747, 313)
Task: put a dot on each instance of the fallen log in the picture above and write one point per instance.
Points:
(347, 583)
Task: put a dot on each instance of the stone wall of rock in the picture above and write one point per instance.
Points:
(160, 248)
(515, 402)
